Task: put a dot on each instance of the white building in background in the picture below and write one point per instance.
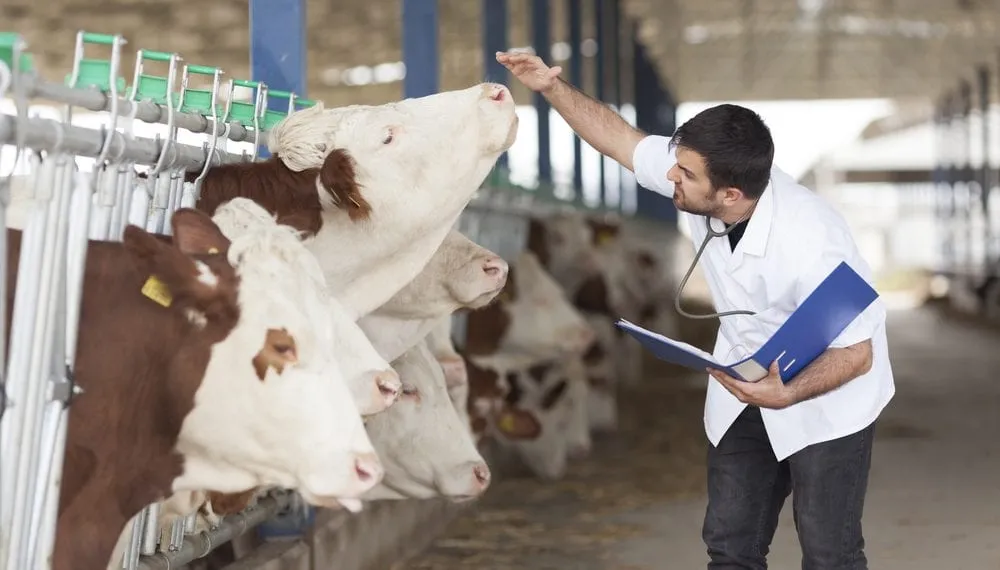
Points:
(883, 185)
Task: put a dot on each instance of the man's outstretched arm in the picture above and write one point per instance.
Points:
(592, 120)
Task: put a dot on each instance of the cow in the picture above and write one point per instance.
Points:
(544, 391)
(215, 343)
(531, 320)
(367, 184)
(374, 384)
(460, 274)
(426, 449)
(456, 374)
(489, 412)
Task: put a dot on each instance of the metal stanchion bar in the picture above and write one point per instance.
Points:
(146, 111)
(198, 545)
(48, 134)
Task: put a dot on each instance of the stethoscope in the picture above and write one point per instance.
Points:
(712, 233)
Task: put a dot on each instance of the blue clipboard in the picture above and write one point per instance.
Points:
(821, 317)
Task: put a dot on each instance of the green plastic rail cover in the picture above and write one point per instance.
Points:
(96, 72)
(11, 42)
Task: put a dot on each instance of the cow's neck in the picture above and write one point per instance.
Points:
(366, 266)
(393, 336)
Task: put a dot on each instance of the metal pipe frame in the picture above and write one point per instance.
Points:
(49, 134)
(146, 111)
(199, 545)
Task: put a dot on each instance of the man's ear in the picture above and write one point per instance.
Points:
(195, 233)
(731, 195)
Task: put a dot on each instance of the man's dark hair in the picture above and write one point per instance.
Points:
(736, 145)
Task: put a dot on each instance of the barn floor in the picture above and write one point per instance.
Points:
(637, 502)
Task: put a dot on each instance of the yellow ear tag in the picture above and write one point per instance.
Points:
(212, 250)
(157, 291)
(506, 423)
(604, 237)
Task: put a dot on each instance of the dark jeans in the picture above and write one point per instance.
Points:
(747, 487)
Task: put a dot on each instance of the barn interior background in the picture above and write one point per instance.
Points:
(887, 108)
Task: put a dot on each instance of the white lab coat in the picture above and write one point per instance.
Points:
(793, 240)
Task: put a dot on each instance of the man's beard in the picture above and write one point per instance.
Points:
(710, 211)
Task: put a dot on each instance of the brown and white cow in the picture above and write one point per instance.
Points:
(488, 410)
(368, 182)
(200, 385)
(531, 321)
(426, 448)
(460, 274)
(554, 393)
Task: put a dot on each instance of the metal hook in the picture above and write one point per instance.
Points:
(113, 94)
(210, 156)
(60, 129)
(21, 108)
(171, 129)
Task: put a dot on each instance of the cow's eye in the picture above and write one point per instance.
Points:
(388, 137)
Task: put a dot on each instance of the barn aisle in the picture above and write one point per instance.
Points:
(657, 456)
(637, 502)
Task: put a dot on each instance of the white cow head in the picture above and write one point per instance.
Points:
(425, 448)
(273, 407)
(563, 245)
(460, 274)
(543, 391)
(531, 321)
(414, 196)
(373, 383)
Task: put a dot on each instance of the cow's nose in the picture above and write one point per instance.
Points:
(388, 384)
(482, 474)
(496, 92)
(495, 267)
(368, 469)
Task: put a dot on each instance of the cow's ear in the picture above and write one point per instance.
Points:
(338, 178)
(179, 282)
(517, 424)
(195, 233)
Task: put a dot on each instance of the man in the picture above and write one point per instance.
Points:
(811, 437)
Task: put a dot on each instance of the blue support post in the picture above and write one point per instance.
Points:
(599, 78)
(655, 113)
(278, 48)
(576, 79)
(985, 172)
(420, 48)
(278, 60)
(494, 40)
(611, 40)
(542, 42)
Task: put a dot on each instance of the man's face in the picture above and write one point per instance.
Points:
(693, 191)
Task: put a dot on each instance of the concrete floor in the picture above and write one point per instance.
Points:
(637, 503)
(934, 492)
